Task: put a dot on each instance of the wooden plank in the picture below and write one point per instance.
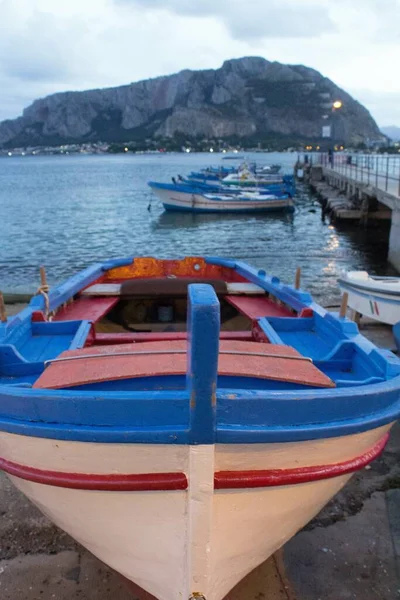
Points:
(105, 339)
(114, 289)
(102, 289)
(91, 309)
(236, 358)
(256, 307)
(244, 288)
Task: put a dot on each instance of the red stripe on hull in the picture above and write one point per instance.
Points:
(81, 481)
(178, 481)
(277, 477)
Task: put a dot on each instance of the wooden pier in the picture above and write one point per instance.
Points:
(358, 188)
(342, 207)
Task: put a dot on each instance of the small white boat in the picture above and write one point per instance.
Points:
(269, 170)
(372, 296)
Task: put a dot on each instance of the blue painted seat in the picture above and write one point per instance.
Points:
(28, 345)
(332, 349)
(313, 336)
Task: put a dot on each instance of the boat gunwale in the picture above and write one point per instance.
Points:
(37, 424)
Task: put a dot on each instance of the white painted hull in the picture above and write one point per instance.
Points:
(374, 308)
(175, 200)
(376, 299)
(174, 543)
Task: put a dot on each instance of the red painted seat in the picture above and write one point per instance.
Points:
(236, 358)
(256, 307)
(90, 309)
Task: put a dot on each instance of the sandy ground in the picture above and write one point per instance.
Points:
(351, 550)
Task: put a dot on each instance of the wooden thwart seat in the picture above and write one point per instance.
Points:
(168, 286)
(256, 307)
(154, 286)
(125, 361)
(88, 309)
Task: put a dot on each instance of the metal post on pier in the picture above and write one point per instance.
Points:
(368, 167)
(398, 178)
(387, 174)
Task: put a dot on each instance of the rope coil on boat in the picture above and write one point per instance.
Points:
(44, 291)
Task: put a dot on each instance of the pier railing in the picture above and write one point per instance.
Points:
(377, 170)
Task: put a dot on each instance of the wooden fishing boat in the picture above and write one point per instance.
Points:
(373, 296)
(284, 188)
(182, 419)
(186, 198)
(233, 156)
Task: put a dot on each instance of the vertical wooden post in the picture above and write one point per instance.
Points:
(3, 313)
(343, 306)
(202, 367)
(356, 317)
(297, 278)
(43, 278)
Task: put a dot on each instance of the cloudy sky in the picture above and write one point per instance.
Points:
(55, 45)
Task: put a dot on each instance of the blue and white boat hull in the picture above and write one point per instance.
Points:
(176, 200)
(141, 506)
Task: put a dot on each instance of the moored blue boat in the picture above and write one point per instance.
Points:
(283, 187)
(183, 418)
(204, 198)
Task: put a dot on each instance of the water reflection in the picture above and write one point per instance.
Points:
(69, 212)
(333, 243)
(172, 220)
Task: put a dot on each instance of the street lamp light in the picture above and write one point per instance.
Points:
(336, 105)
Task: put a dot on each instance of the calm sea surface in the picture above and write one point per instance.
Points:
(67, 212)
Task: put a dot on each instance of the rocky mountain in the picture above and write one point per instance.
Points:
(392, 132)
(247, 97)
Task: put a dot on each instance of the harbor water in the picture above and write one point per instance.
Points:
(66, 212)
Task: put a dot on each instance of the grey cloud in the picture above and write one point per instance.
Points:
(41, 49)
(384, 106)
(280, 22)
(36, 66)
(246, 20)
